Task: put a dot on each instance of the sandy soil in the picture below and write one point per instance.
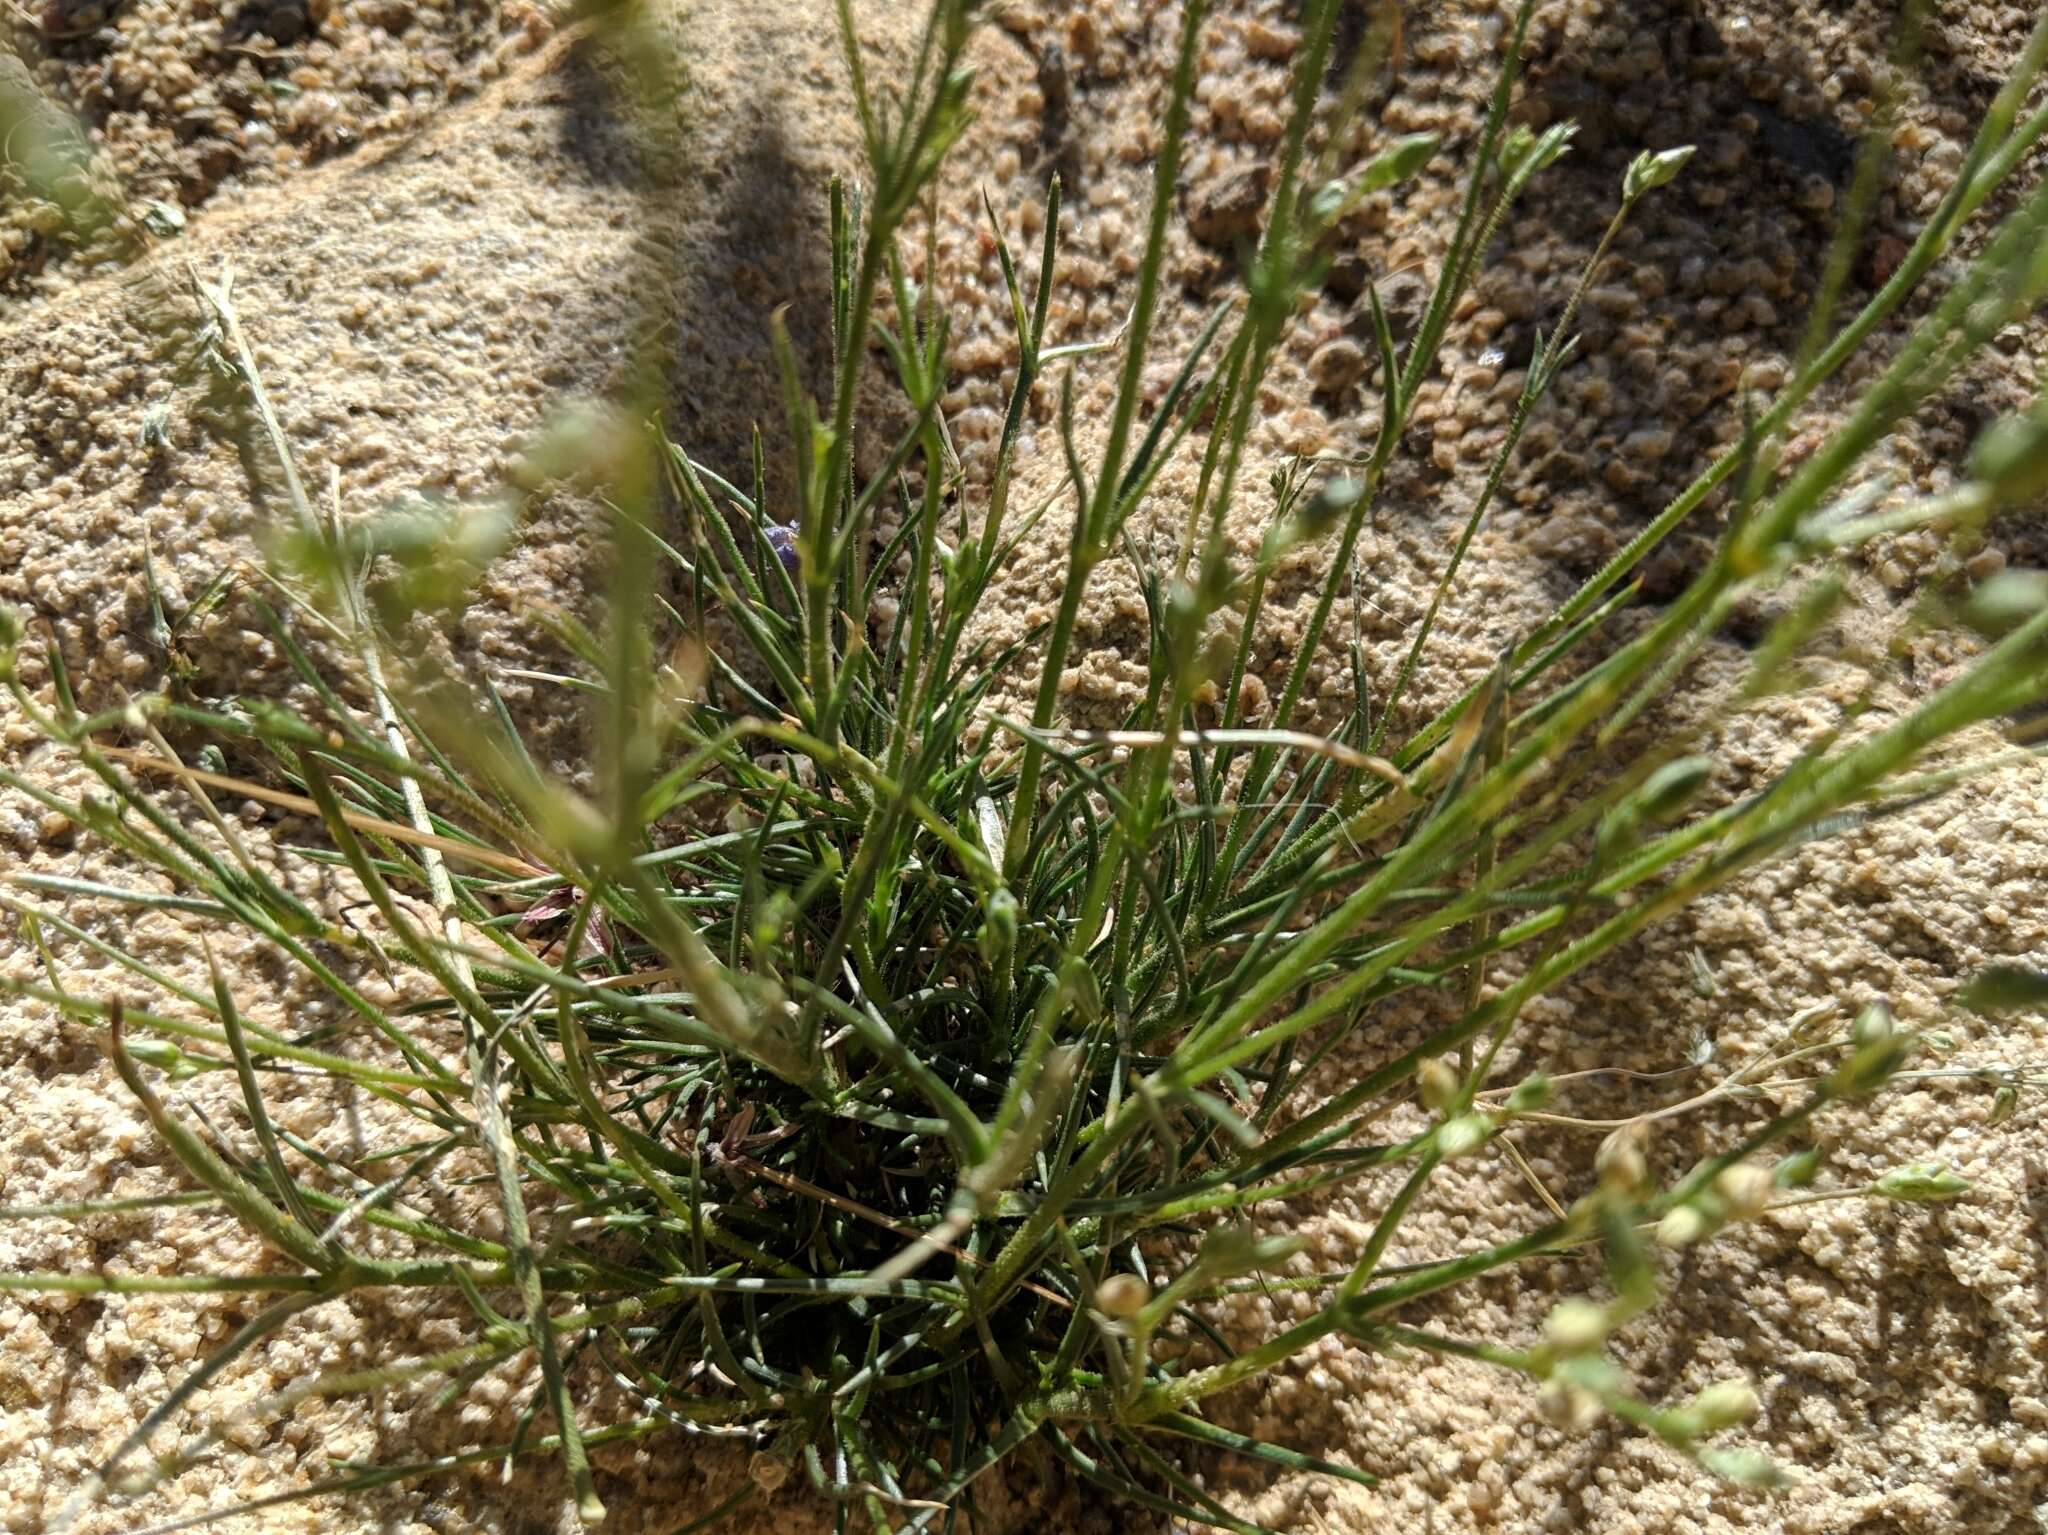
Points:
(450, 268)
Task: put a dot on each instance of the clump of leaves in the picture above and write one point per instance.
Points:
(892, 1083)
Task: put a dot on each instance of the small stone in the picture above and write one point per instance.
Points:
(1623, 476)
(1082, 41)
(1266, 42)
(1985, 564)
(1881, 258)
(61, 20)
(1405, 298)
(1251, 697)
(1055, 86)
(1336, 365)
(1572, 538)
(1263, 125)
(1226, 208)
(1514, 295)
(978, 424)
(1611, 300)
(1765, 373)
(1651, 444)
(282, 21)
(1348, 274)
(1304, 432)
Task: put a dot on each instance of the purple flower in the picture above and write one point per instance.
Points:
(782, 539)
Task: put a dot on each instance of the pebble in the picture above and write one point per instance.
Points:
(1336, 365)
(1347, 275)
(1262, 41)
(282, 21)
(1650, 445)
(1404, 296)
(1985, 564)
(1226, 208)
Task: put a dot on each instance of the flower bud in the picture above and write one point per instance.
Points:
(998, 935)
(165, 1056)
(1391, 166)
(1724, 1404)
(1745, 1468)
(1523, 153)
(1920, 1183)
(2005, 989)
(1671, 788)
(1235, 1249)
(1399, 160)
(1515, 145)
(1323, 510)
(767, 1471)
(1649, 170)
(1798, 1169)
(1616, 831)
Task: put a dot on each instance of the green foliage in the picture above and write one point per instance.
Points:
(891, 1082)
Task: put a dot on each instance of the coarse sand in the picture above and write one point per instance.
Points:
(441, 228)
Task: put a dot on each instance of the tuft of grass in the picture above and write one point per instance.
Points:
(895, 1084)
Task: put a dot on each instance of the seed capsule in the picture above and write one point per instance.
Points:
(1576, 1326)
(1122, 1296)
(1747, 1189)
(1568, 1406)
(1464, 1135)
(1436, 1081)
(1620, 1163)
(1682, 1227)
(1873, 1024)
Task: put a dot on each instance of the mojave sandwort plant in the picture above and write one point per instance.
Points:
(896, 1085)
